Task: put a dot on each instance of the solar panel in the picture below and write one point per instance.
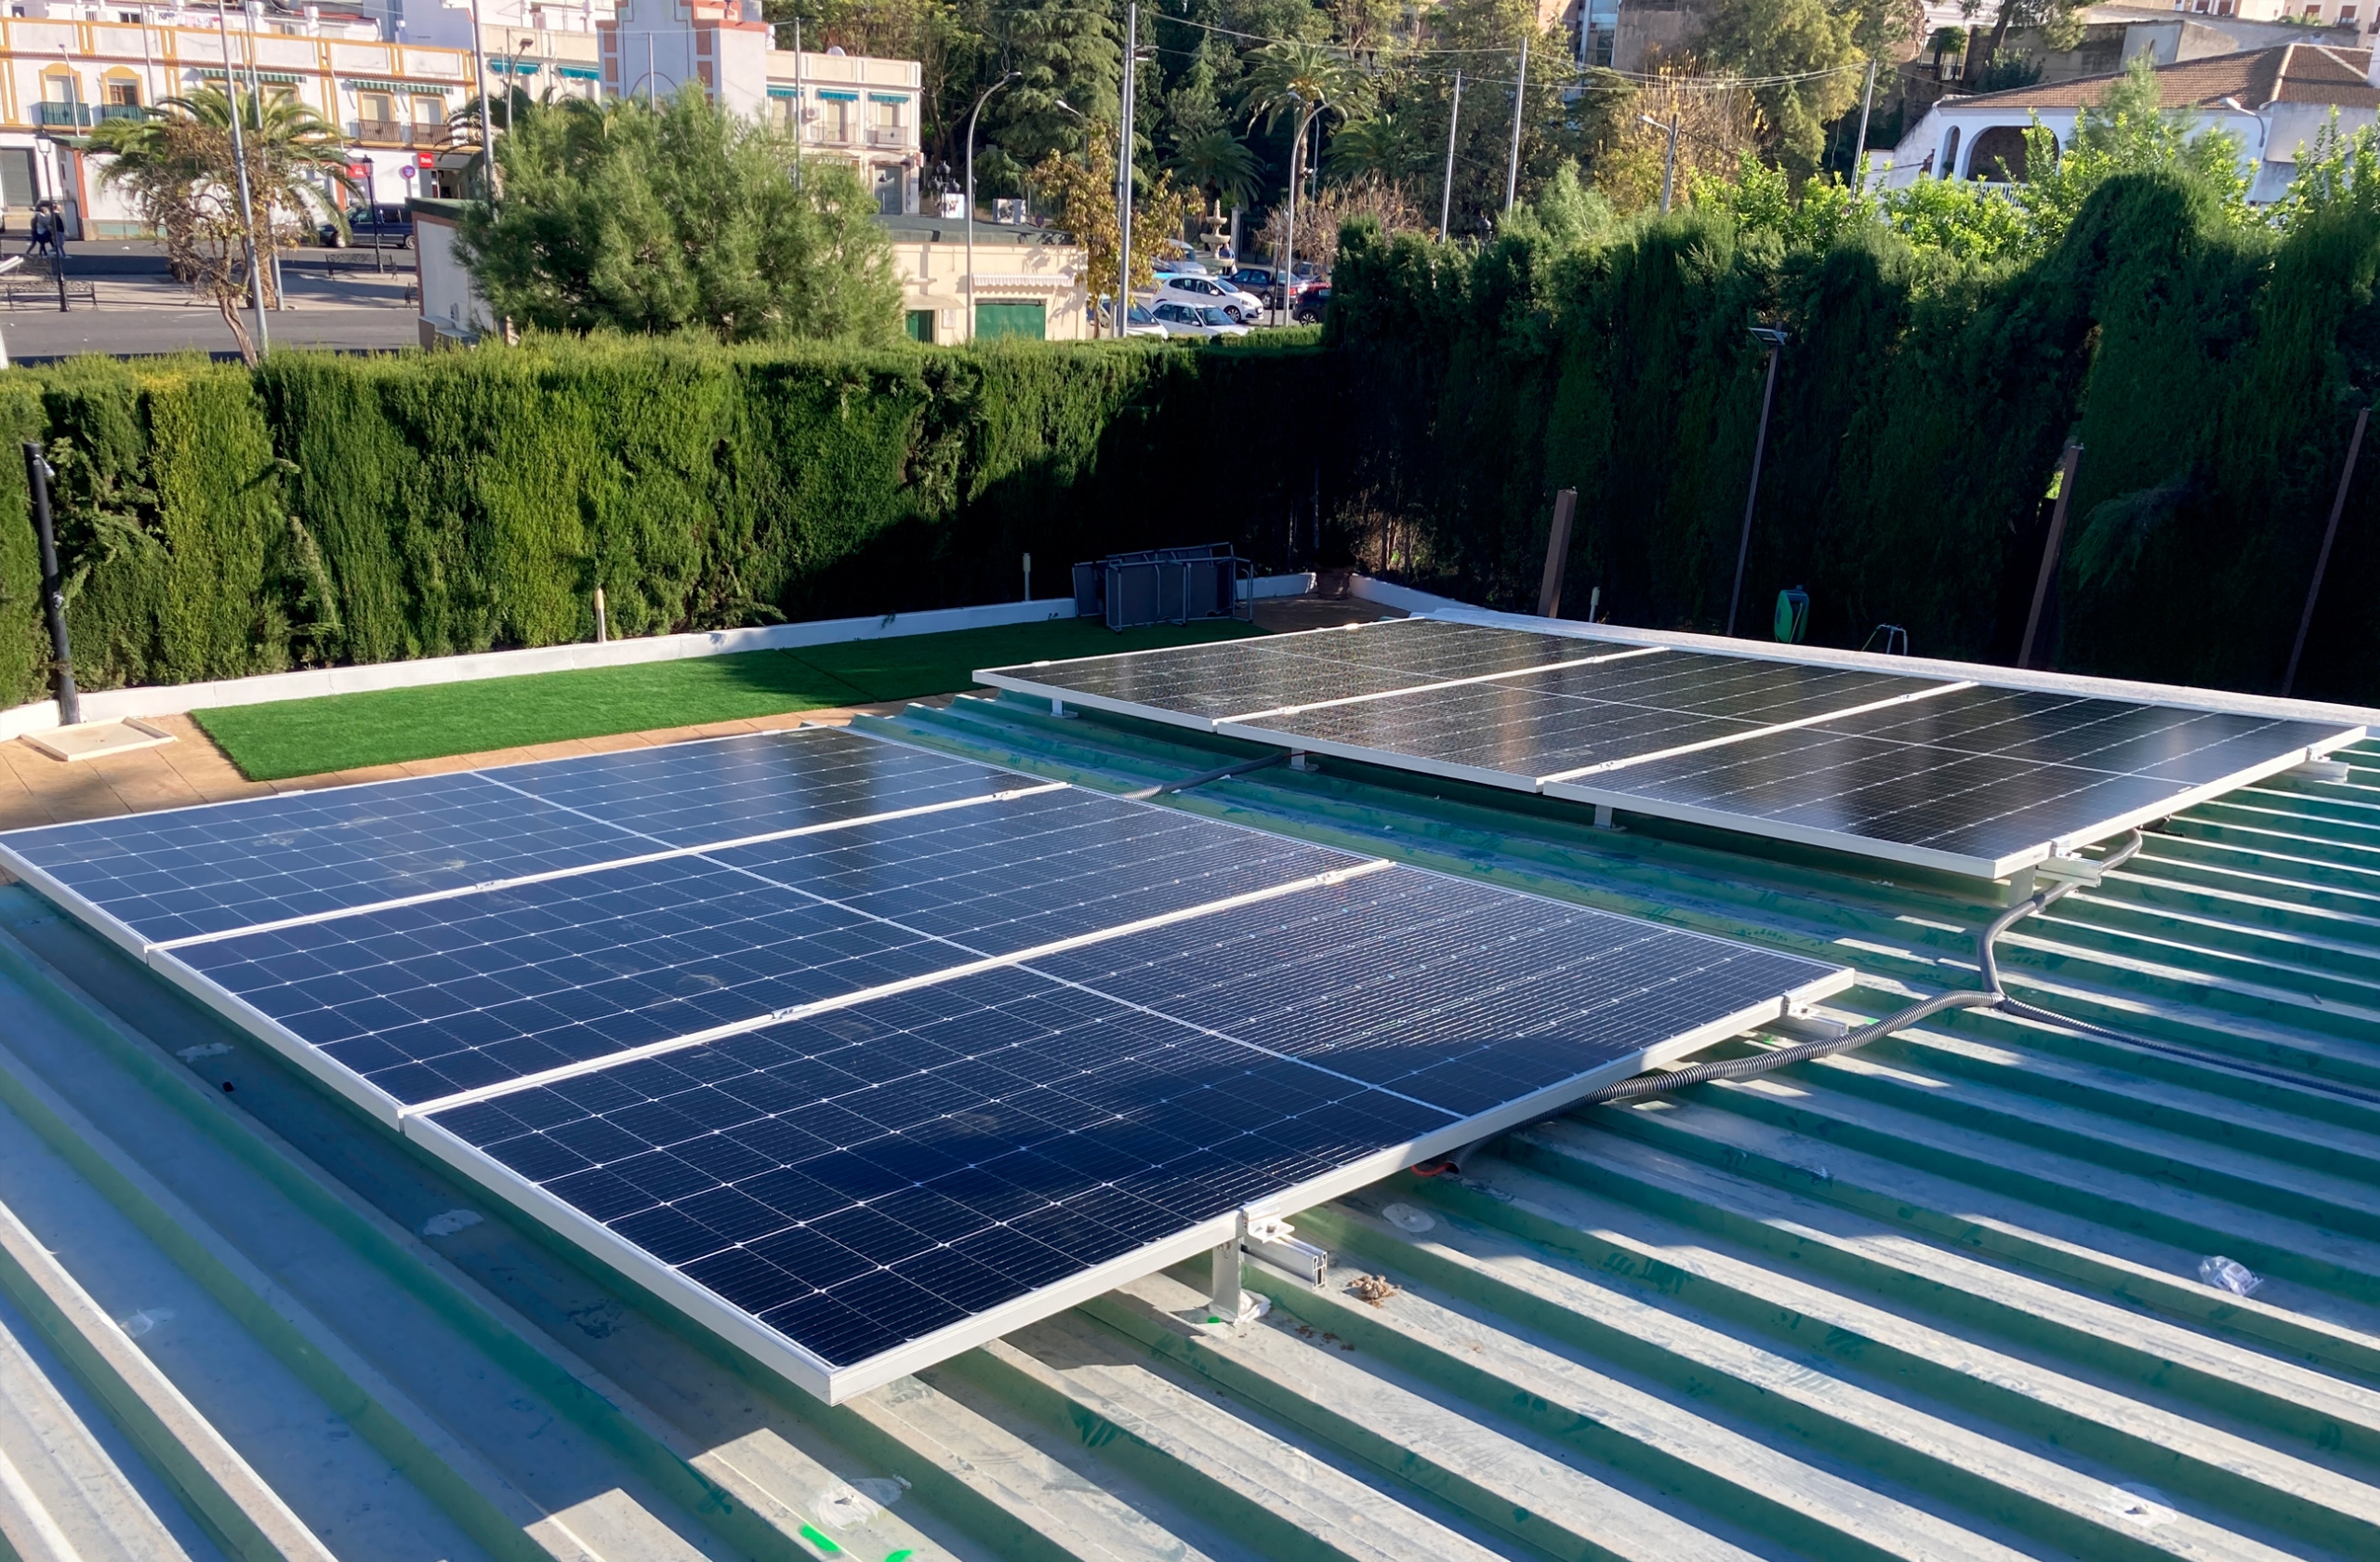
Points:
(1991, 780)
(1199, 685)
(1929, 772)
(193, 872)
(861, 1182)
(1564, 720)
(862, 1055)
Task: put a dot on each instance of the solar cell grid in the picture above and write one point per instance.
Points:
(424, 1001)
(1036, 870)
(695, 794)
(192, 871)
(1026, 1132)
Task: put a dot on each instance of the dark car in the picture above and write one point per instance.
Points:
(1265, 283)
(1313, 304)
(371, 226)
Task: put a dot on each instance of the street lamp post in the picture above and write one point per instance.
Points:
(1774, 337)
(1446, 190)
(1124, 168)
(1290, 239)
(1520, 96)
(972, 114)
(1669, 169)
(240, 157)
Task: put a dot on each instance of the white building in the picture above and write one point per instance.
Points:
(2275, 101)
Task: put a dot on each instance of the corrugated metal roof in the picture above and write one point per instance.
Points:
(1939, 1298)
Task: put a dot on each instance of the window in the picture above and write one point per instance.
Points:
(834, 120)
(1949, 168)
(16, 184)
(376, 108)
(124, 94)
(133, 17)
(61, 88)
(2313, 13)
(428, 111)
(2346, 14)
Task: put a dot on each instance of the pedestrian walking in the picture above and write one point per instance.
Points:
(41, 229)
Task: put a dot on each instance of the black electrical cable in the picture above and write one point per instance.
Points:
(1206, 776)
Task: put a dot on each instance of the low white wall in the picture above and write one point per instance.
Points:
(176, 700)
(1412, 601)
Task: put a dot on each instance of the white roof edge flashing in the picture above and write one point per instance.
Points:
(1389, 594)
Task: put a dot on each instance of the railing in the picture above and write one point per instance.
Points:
(74, 115)
(389, 131)
(122, 110)
(888, 135)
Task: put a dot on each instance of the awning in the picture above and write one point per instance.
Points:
(278, 78)
(416, 89)
(888, 96)
(514, 67)
(580, 72)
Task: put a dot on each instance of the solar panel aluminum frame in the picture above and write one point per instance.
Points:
(834, 1384)
(1585, 790)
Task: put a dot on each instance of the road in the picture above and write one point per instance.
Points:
(334, 298)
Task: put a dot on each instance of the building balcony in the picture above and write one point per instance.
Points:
(888, 136)
(67, 116)
(120, 111)
(385, 132)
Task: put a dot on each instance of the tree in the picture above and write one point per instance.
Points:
(1805, 61)
(1715, 130)
(174, 168)
(620, 216)
(1302, 81)
(1391, 144)
(1218, 163)
(1084, 196)
(1321, 220)
(2127, 131)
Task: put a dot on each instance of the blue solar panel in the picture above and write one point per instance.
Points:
(201, 871)
(864, 1179)
(453, 995)
(694, 794)
(1457, 994)
(1035, 870)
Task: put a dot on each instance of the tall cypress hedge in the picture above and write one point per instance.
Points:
(217, 523)
(2210, 375)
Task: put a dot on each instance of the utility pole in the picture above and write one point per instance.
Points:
(1445, 191)
(1520, 94)
(798, 108)
(487, 134)
(1669, 169)
(1289, 243)
(1124, 168)
(240, 157)
(1774, 337)
(1859, 150)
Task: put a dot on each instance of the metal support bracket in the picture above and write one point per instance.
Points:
(1275, 1242)
(1299, 761)
(1603, 816)
(2071, 870)
(2324, 770)
(1058, 708)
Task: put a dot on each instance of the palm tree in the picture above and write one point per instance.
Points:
(1388, 144)
(1303, 81)
(1216, 160)
(177, 169)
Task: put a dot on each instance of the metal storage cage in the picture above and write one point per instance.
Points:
(1165, 586)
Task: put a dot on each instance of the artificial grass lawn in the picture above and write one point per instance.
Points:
(351, 732)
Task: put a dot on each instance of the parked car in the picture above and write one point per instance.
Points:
(1141, 323)
(1180, 319)
(1263, 282)
(1177, 266)
(1200, 290)
(1312, 305)
(369, 226)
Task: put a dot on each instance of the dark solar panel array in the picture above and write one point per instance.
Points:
(1990, 775)
(1948, 775)
(865, 1178)
(861, 1179)
(1238, 676)
(201, 871)
(1568, 718)
(793, 1072)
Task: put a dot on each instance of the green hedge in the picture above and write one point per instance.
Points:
(2210, 377)
(217, 523)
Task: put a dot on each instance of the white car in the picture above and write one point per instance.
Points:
(1141, 323)
(1200, 291)
(1181, 318)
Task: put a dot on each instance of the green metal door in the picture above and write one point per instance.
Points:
(1009, 320)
